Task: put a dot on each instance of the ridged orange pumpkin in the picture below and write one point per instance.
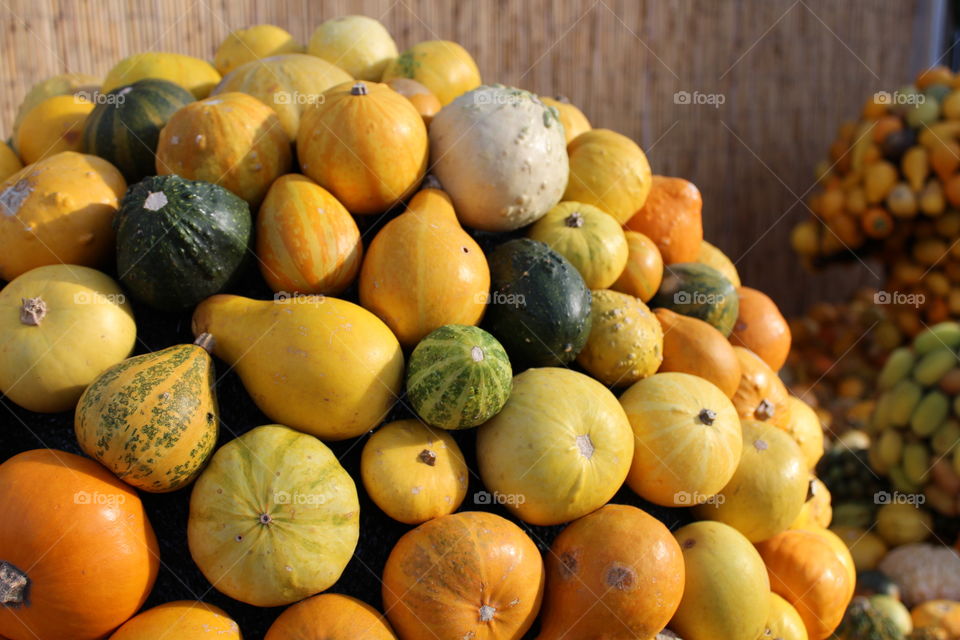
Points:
(231, 139)
(423, 271)
(693, 346)
(419, 96)
(366, 144)
(306, 240)
(330, 616)
(183, 620)
(761, 395)
(470, 574)
(77, 553)
(442, 66)
(54, 125)
(671, 217)
(643, 274)
(761, 327)
(617, 570)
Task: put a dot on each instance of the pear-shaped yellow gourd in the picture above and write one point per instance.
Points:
(320, 365)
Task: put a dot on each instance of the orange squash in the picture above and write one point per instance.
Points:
(671, 217)
(231, 139)
(693, 346)
(330, 616)
(643, 274)
(366, 144)
(183, 620)
(761, 327)
(306, 240)
(573, 121)
(469, 574)
(761, 395)
(77, 553)
(54, 125)
(423, 271)
(419, 96)
(618, 570)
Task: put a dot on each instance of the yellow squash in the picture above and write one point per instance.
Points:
(54, 125)
(817, 511)
(359, 44)
(783, 621)
(714, 257)
(804, 427)
(63, 84)
(193, 74)
(253, 43)
(573, 121)
(442, 66)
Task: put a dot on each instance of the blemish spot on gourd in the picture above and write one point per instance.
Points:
(569, 565)
(174, 139)
(620, 577)
(427, 457)
(239, 538)
(585, 444)
(155, 201)
(760, 445)
(13, 196)
(476, 353)
(689, 543)
(486, 613)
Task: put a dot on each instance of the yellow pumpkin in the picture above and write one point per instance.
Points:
(442, 66)
(714, 257)
(761, 395)
(61, 326)
(330, 616)
(817, 511)
(54, 125)
(687, 439)
(9, 161)
(231, 139)
(253, 43)
(193, 74)
(366, 144)
(559, 449)
(643, 273)
(900, 523)
(412, 472)
(63, 84)
(423, 271)
(783, 621)
(609, 171)
(626, 340)
(306, 241)
(866, 548)
(590, 239)
(768, 489)
(725, 593)
(804, 427)
(321, 365)
(183, 620)
(419, 96)
(573, 121)
(358, 44)
(286, 83)
(59, 210)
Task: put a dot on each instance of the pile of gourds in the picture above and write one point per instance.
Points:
(600, 342)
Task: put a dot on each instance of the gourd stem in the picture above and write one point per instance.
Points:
(764, 410)
(13, 584)
(205, 341)
(707, 416)
(427, 457)
(359, 89)
(574, 220)
(32, 311)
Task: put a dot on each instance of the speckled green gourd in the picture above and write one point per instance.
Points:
(458, 377)
(696, 290)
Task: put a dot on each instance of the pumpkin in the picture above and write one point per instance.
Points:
(499, 153)
(817, 511)
(289, 84)
(306, 240)
(725, 592)
(124, 128)
(626, 341)
(54, 125)
(412, 472)
(807, 571)
(761, 395)
(458, 377)
(687, 439)
(591, 240)
(539, 306)
(783, 621)
(193, 74)
(152, 419)
(714, 257)
(699, 291)
(180, 241)
(468, 574)
(75, 539)
(183, 619)
(60, 327)
(58, 211)
(231, 139)
(253, 43)
(559, 449)
(59, 85)
(692, 346)
(944, 614)
(671, 217)
(9, 161)
(366, 144)
(768, 489)
(423, 271)
(326, 353)
(803, 425)
(573, 121)
(358, 44)
(330, 616)
(643, 273)
(274, 518)
(761, 327)
(419, 96)
(618, 570)
(442, 66)
(609, 171)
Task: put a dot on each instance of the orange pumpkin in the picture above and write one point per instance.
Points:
(644, 271)
(423, 271)
(330, 616)
(693, 346)
(469, 574)
(231, 139)
(761, 327)
(807, 571)
(77, 553)
(761, 395)
(183, 620)
(426, 104)
(617, 569)
(944, 614)
(306, 240)
(366, 144)
(671, 217)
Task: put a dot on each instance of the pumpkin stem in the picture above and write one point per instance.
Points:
(707, 416)
(205, 341)
(32, 311)
(359, 89)
(764, 410)
(13, 584)
(427, 457)
(574, 220)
